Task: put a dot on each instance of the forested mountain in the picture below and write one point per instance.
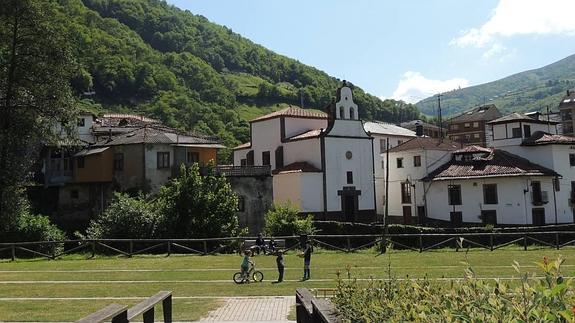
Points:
(526, 91)
(146, 56)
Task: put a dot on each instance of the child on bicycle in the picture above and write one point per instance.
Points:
(246, 263)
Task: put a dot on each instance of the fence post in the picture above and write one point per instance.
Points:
(457, 244)
(169, 247)
(131, 248)
(13, 248)
(420, 242)
(525, 242)
(348, 245)
(205, 247)
(557, 240)
(93, 248)
(491, 241)
(167, 309)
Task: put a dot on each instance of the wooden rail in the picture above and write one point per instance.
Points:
(346, 243)
(146, 308)
(314, 310)
(120, 314)
(113, 312)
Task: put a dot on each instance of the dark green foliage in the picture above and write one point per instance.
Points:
(284, 220)
(195, 206)
(36, 65)
(190, 206)
(532, 90)
(127, 217)
(530, 299)
(153, 58)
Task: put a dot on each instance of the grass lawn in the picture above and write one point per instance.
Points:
(62, 290)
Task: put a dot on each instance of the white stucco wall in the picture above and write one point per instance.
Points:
(379, 157)
(311, 192)
(337, 167)
(240, 154)
(287, 189)
(308, 150)
(514, 204)
(430, 160)
(265, 137)
(296, 126)
(157, 177)
(303, 190)
(501, 135)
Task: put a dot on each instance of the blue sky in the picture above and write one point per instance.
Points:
(406, 49)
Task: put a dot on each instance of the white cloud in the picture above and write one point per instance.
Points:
(495, 50)
(414, 87)
(522, 17)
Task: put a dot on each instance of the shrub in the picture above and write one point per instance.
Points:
(284, 220)
(195, 206)
(126, 217)
(532, 300)
(33, 227)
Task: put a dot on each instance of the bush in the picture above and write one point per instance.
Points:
(472, 300)
(195, 206)
(33, 227)
(126, 218)
(284, 220)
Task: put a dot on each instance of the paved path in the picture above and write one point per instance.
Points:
(254, 309)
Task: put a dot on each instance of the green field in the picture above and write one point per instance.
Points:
(69, 288)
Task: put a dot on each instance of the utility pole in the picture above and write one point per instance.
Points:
(548, 125)
(386, 213)
(440, 120)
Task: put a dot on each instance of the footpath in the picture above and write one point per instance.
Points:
(253, 309)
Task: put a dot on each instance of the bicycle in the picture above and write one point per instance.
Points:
(255, 275)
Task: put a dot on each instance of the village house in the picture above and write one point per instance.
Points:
(133, 153)
(429, 130)
(567, 111)
(384, 134)
(537, 140)
(468, 128)
(322, 163)
(409, 163)
(477, 185)
(490, 186)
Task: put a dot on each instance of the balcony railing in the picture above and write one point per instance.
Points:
(238, 171)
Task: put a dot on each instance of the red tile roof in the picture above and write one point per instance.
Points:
(426, 143)
(297, 167)
(243, 146)
(543, 138)
(498, 163)
(306, 135)
(293, 112)
(472, 149)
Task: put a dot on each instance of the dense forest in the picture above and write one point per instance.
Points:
(532, 90)
(148, 57)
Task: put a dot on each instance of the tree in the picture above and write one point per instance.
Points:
(35, 70)
(284, 220)
(196, 206)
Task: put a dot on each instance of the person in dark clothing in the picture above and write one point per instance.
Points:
(306, 254)
(261, 244)
(272, 246)
(281, 265)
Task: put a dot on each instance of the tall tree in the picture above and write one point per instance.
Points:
(35, 96)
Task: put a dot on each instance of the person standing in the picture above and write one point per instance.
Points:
(281, 265)
(307, 260)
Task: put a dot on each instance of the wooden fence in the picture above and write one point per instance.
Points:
(346, 243)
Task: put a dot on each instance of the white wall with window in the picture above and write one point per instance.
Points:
(513, 200)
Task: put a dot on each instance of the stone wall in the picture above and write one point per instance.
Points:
(257, 194)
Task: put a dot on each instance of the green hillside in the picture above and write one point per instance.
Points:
(148, 57)
(526, 91)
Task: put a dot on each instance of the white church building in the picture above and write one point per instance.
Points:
(323, 163)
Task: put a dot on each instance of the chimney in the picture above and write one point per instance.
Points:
(418, 129)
